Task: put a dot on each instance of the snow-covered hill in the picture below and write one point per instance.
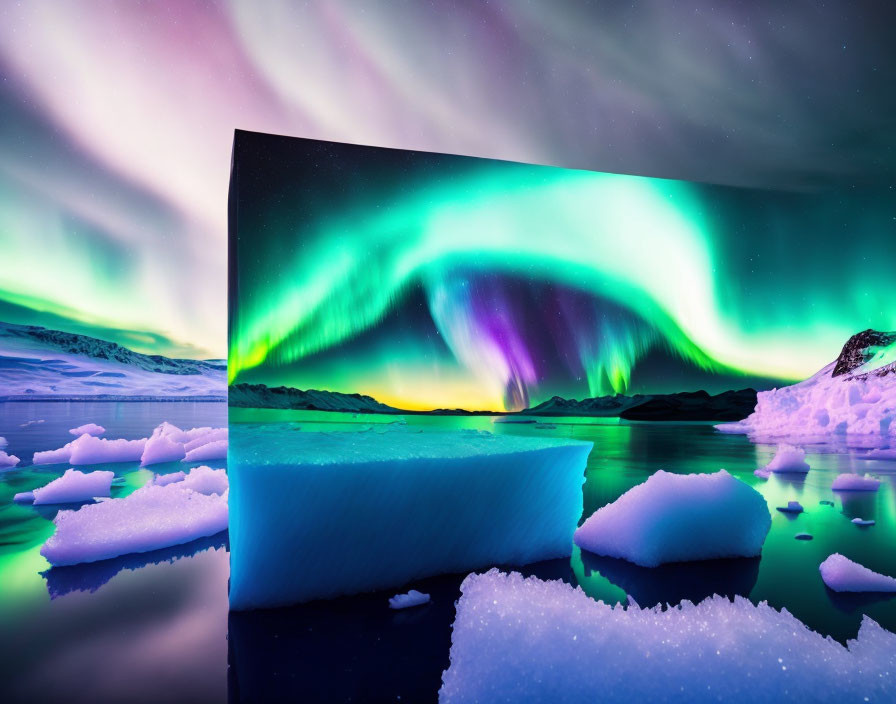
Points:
(853, 395)
(38, 364)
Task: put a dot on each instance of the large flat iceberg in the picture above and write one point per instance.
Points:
(150, 518)
(853, 395)
(518, 640)
(677, 518)
(316, 515)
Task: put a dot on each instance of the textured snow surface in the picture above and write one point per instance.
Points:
(7, 461)
(360, 511)
(843, 575)
(412, 598)
(74, 486)
(152, 517)
(89, 428)
(168, 443)
(859, 403)
(855, 482)
(677, 518)
(526, 640)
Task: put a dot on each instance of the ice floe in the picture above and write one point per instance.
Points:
(518, 639)
(863, 521)
(412, 598)
(74, 486)
(89, 429)
(855, 482)
(150, 518)
(677, 518)
(843, 575)
(8, 461)
(791, 507)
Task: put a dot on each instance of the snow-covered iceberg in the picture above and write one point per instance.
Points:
(7, 461)
(150, 518)
(855, 482)
(843, 575)
(360, 511)
(74, 486)
(853, 395)
(677, 518)
(89, 428)
(405, 601)
(518, 639)
(168, 443)
(788, 460)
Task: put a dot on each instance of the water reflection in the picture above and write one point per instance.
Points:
(670, 583)
(90, 576)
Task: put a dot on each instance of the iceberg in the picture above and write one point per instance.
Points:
(160, 447)
(853, 395)
(517, 639)
(361, 511)
(150, 518)
(862, 521)
(843, 575)
(791, 507)
(216, 450)
(24, 497)
(163, 479)
(7, 461)
(88, 449)
(854, 482)
(412, 598)
(678, 518)
(788, 460)
(74, 486)
(89, 428)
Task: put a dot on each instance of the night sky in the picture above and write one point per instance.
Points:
(431, 281)
(118, 119)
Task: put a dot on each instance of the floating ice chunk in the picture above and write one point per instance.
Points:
(677, 518)
(24, 497)
(74, 486)
(216, 450)
(88, 449)
(161, 447)
(862, 521)
(412, 598)
(854, 482)
(163, 479)
(788, 459)
(3, 442)
(7, 461)
(206, 480)
(762, 472)
(152, 517)
(880, 454)
(791, 507)
(89, 428)
(364, 511)
(843, 575)
(29, 423)
(212, 435)
(519, 640)
(803, 536)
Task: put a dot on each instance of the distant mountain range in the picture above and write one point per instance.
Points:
(41, 364)
(697, 405)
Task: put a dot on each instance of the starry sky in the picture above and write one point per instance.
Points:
(118, 121)
(440, 281)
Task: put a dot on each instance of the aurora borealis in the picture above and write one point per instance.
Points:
(430, 280)
(118, 120)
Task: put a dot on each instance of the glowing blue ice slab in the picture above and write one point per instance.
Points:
(317, 515)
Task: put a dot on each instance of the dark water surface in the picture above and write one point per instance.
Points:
(156, 628)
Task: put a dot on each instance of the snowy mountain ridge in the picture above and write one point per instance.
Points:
(41, 364)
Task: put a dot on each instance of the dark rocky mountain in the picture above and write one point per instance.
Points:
(695, 405)
(600, 406)
(261, 396)
(860, 349)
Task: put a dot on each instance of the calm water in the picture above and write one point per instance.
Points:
(156, 628)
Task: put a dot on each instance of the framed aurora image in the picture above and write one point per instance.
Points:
(448, 374)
